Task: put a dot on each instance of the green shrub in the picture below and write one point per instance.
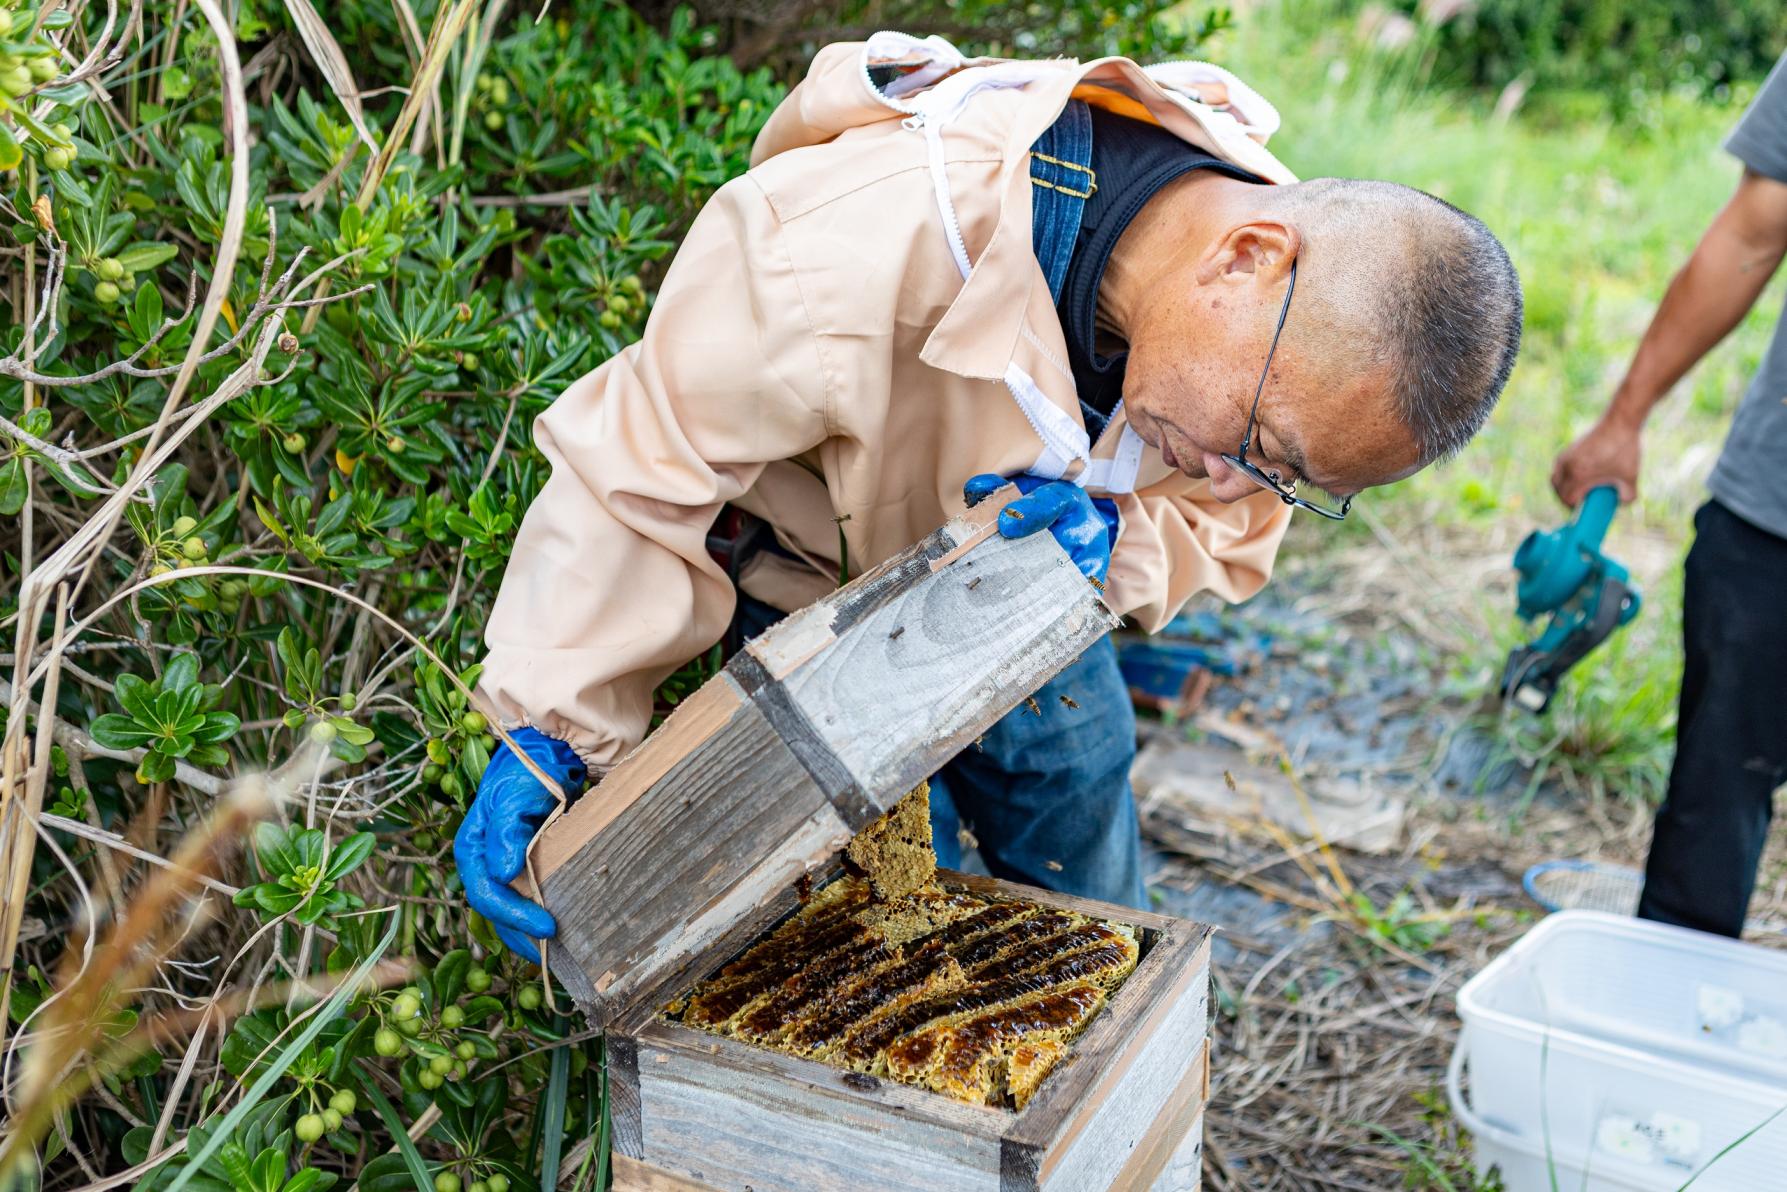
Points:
(1627, 49)
(377, 446)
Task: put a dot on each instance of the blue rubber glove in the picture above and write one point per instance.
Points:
(1085, 526)
(491, 846)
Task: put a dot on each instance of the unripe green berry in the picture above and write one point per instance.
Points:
(193, 548)
(294, 442)
(477, 980)
(492, 120)
(423, 840)
(530, 997)
(440, 1065)
(111, 269)
(437, 751)
(452, 1017)
(309, 1127)
(432, 771)
(451, 785)
(43, 69)
(498, 1182)
(5, 22)
(619, 304)
(347, 700)
(608, 320)
(322, 732)
(106, 292)
(184, 524)
(478, 1186)
(332, 1118)
(387, 1042)
(429, 1079)
(473, 722)
(446, 1181)
(396, 445)
(457, 1071)
(409, 1026)
(465, 1049)
(57, 158)
(344, 1101)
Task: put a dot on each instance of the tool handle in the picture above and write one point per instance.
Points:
(1596, 514)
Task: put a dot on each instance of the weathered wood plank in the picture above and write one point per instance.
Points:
(1171, 1131)
(1184, 1170)
(735, 1116)
(923, 671)
(696, 719)
(632, 1175)
(1189, 783)
(721, 830)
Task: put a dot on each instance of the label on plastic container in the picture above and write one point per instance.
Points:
(1656, 1138)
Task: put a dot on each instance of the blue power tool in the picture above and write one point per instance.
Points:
(1563, 573)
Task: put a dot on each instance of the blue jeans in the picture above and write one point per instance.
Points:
(1046, 796)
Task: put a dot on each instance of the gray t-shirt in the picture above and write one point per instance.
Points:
(1751, 476)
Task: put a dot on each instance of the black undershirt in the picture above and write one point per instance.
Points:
(1131, 161)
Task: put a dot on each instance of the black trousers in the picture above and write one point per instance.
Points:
(1731, 736)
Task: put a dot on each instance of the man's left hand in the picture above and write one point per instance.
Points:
(1086, 527)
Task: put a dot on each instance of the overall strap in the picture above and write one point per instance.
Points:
(1061, 181)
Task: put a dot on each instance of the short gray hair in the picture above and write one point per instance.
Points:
(1440, 299)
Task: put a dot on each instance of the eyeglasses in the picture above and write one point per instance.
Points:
(1272, 481)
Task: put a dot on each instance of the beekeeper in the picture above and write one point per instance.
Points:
(1091, 278)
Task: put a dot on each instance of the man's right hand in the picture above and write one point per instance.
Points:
(1607, 454)
(491, 846)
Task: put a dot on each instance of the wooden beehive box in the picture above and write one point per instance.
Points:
(698, 842)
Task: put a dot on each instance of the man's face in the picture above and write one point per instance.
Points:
(1192, 370)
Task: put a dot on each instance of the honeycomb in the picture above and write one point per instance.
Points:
(970, 997)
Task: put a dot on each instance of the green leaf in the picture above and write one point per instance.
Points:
(412, 1158)
(140, 258)
(348, 855)
(119, 732)
(181, 673)
(449, 976)
(14, 487)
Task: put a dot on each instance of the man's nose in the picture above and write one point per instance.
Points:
(1226, 484)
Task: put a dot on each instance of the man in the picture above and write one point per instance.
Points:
(1731, 734)
(938, 274)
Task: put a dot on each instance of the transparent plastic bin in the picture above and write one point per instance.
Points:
(1626, 1053)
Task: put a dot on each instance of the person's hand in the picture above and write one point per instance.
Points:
(1085, 527)
(1607, 454)
(491, 846)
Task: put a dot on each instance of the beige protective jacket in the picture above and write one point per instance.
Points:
(815, 354)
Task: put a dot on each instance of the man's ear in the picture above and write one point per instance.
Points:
(1261, 246)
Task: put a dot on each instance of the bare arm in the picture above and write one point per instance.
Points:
(1714, 290)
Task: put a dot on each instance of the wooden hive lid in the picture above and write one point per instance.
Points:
(816, 727)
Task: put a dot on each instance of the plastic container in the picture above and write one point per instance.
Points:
(1622, 1054)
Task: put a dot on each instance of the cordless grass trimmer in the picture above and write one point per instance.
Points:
(1587, 595)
